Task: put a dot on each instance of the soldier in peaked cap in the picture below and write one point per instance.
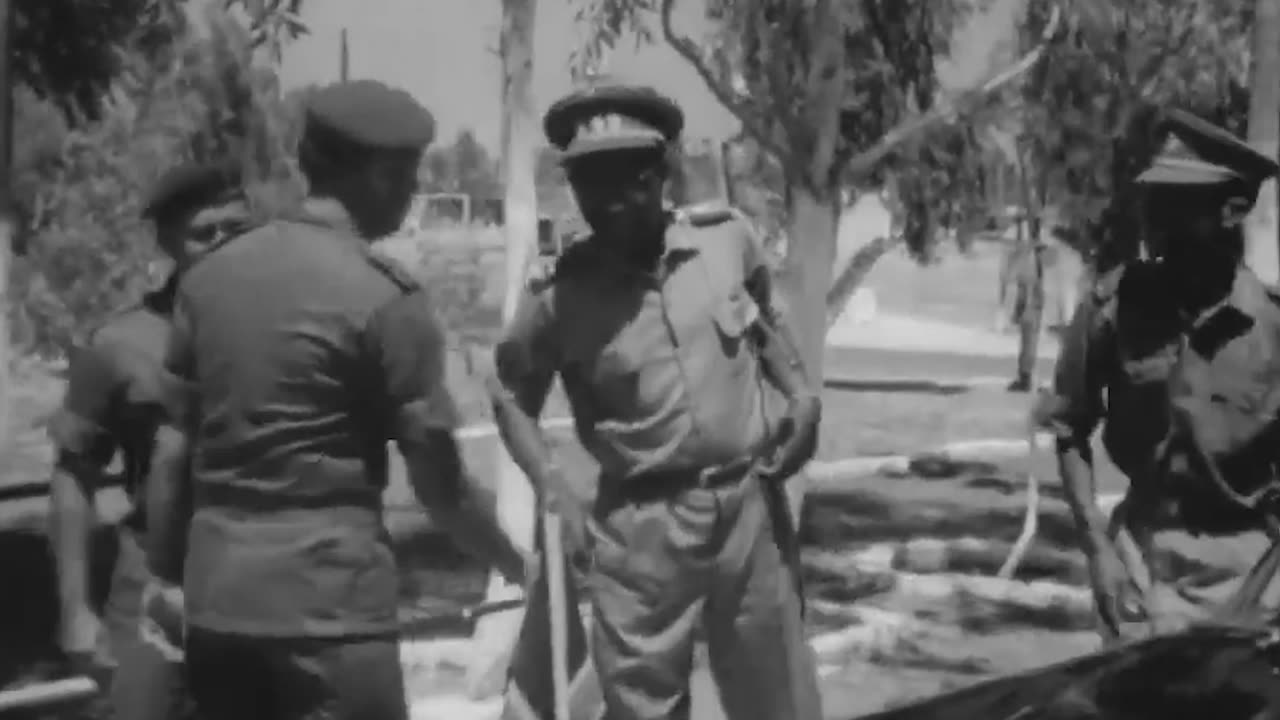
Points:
(112, 405)
(1178, 357)
(687, 390)
(299, 354)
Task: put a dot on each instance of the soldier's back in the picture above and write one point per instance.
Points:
(290, 458)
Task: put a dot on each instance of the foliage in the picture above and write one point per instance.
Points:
(759, 61)
(71, 52)
(940, 185)
(272, 24)
(203, 97)
(1089, 110)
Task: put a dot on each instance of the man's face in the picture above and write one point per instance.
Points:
(178, 240)
(619, 193)
(1185, 223)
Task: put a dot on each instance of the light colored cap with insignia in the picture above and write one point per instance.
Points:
(607, 117)
(1197, 152)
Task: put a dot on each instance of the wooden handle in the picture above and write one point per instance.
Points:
(557, 606)
(57, 692)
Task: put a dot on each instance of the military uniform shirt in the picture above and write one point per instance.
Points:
(304, 354)
(114, 398)
(657, 367)
(1127, 341)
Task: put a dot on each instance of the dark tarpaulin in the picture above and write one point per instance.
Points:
(1203, 673)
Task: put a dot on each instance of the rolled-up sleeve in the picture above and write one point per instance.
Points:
(81, 429)
(527, 356)
(178, 380)
(406, 344)
(1075, 405)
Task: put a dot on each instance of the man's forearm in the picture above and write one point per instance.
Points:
(168, 503)
(523, 439)
(473, 523)
(72, 521)
(1075, 465)
(456, 502)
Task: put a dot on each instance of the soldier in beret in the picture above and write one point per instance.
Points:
(688, 392)
(299, 355)
(112, 406)
(1178, 357)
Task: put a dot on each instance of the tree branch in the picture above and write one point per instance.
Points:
(740, 110)
(860, 263)
(1150, 72)
(865, 161)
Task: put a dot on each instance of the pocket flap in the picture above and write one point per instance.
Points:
(735, 313)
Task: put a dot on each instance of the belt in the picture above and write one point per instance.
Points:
(664, 484)
(269, 500)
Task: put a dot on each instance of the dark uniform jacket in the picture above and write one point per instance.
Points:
(304, 354)
(1131, 356)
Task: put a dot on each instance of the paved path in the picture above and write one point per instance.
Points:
(870, 362)
(902, 332)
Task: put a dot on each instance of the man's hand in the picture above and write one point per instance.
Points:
(163, 621)
(559, 499)
(796, 439)
(1114, 591)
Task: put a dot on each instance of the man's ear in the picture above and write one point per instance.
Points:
(1235, 210)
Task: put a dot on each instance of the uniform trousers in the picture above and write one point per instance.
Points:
(241, 677)
(662, 563)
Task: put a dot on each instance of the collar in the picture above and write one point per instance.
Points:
(327, 213)
(678, 246)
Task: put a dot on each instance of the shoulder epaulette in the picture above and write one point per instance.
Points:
(393, 271)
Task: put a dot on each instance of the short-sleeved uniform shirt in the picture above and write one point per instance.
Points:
(657, 367)
(114, 397)
(1130, 355)
(304, 353)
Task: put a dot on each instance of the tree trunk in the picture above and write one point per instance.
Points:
(496, 634)
(1262, 228)
(1031, 319)
(811, 253)
(7, 224)
(1030, 279)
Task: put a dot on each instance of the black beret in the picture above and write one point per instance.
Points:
(1197, 152)
(612, 116)
(192, 186)
(368, 114)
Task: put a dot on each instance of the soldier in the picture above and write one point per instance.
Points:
(1179, 358)
(112, 405)
(302, 354)
(663, 330)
